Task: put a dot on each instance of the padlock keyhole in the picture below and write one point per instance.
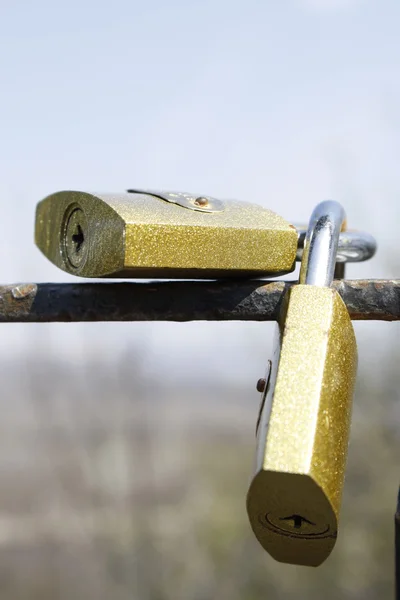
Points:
(78, 238)
(298, 521)
(75, 242)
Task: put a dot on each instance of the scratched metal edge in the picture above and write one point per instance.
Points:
(240, 300)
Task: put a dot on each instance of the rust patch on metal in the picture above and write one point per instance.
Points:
(22, 291)
(271, 286)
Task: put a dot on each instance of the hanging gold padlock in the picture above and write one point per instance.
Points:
(302, 435)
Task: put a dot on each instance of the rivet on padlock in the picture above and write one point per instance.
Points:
(302, 439)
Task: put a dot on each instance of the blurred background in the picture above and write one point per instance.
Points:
(126, 449)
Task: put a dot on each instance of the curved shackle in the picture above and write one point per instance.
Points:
(354, 246)
(321, 244)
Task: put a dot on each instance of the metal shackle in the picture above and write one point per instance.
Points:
(321, 244)
(354, 246)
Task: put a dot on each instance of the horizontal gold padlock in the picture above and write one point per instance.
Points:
(303, 428)
(162, 234)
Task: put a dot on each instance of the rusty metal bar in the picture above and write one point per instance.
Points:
(181, 301)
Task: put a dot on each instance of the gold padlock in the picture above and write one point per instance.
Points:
(162, 234)
(302, 436)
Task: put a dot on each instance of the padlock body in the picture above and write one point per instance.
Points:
(294, 498)
(140, 235)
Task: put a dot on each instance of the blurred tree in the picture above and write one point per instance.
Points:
(113, 486)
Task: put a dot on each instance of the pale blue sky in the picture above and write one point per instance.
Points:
(282, 102)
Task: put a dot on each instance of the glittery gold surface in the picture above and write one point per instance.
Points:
(303, 435)
(138, 235)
